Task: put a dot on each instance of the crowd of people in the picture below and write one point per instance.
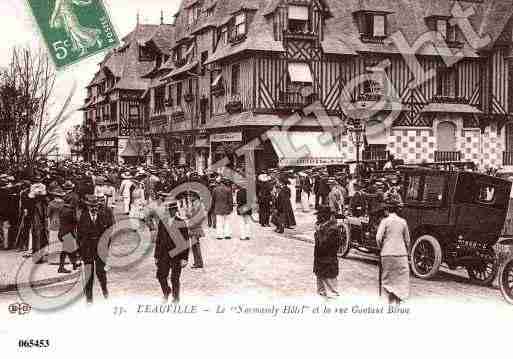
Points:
(74, 203)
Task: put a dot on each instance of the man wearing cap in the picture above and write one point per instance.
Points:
(327, 241)
(171, 250)
(93, 224)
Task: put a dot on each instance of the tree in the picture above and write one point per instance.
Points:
(28, 131)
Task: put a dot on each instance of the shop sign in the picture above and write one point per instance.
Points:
(105, 143)
(310, 161)
(226, 137)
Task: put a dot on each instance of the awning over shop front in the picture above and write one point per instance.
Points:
(451, 108)
(295, 148)
(128, 151)
(201, 142)
(181, 70)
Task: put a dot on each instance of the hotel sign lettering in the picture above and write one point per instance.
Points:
(105, 144)
(226, 137)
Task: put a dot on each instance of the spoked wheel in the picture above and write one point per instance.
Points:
(426, 257)
(506, 280)
(345, 245)
(483, 273)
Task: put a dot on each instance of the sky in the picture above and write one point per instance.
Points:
(18, 28)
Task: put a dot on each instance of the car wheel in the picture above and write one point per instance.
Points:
(426, 257)
(345, 244)
(483, 273)
(506, 280)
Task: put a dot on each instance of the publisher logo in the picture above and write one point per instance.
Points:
(20, 308)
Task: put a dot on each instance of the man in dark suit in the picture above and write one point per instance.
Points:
(171, 250)
(93, 244)
(222, 199)
(358, 204)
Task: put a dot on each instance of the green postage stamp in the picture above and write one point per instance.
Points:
(73, 29)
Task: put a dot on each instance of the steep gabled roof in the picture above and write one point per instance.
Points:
(124, 62)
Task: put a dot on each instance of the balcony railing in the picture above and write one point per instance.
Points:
(447, 156)
(368, 155)
(294, 100)
(449, 99)
(300, 34)
(507, 158)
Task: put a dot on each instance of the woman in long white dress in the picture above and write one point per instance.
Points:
(64, 17)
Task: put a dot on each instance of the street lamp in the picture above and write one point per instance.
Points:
(356, 130)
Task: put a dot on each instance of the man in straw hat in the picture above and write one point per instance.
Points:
(125, 190)
(393, 237)
(171, 252)
(94, 244)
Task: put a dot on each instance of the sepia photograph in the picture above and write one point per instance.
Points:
(256, 177)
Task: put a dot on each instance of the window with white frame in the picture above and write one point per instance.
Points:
(379, 26)
(298, 18)
(240, 25)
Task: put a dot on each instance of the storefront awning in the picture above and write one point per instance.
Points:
(128, 151)
(181, 70)
(451, 108)
(201, 142)
(295, 148)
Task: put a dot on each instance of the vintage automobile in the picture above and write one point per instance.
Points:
(506, 277)
(454, 217)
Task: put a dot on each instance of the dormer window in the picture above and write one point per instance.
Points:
(298, 17)
(189, 54)
(372, 25)
(240, 24)
(145, 54)
(442, 25)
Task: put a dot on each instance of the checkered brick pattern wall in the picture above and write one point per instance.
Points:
(412, 145)
(493, 146)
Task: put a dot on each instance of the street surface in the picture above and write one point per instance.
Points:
(269, 266)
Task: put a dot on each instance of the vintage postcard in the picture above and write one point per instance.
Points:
(271, 178)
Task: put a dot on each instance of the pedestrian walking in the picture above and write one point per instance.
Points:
(327, 241)
(166, 260)
(244, 211)
(93, 223)
(222, 198)
(54, 220)
(125, 191)
(265, 200)
(393, 237)
(195, 218)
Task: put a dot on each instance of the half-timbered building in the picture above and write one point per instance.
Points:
(430, 79)
(116, 110)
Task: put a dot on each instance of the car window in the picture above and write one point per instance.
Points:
(433, 189)
(413, 190)
(486, 193)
